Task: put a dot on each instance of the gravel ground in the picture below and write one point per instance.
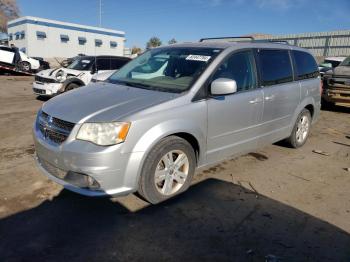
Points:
(275, 204)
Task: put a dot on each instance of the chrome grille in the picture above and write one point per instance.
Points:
(39, 91)
(54, 129)
(44, 79)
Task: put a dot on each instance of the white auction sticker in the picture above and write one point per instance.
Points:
(202, 58)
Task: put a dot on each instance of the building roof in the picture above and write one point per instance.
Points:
(64, 25)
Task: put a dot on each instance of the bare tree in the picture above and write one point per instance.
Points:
(8, 11)
(154, 42)
(136, 50)
(172, 41)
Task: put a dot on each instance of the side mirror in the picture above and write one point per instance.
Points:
(223, 86)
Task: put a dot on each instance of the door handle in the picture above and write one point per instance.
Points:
(269, 98)
(255, 101)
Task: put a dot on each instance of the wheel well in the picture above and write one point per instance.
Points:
(190, 139)
(71, 81)
(75, 82)
(311, 109)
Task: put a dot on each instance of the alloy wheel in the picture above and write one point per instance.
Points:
(302, 129)
(171, 172)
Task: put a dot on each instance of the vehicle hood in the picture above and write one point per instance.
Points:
(103, 102)
(51, 73)
(342, 70)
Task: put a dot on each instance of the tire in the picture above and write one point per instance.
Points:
(160, 180)
(71, 87)
(326, 105)
(301, 130)
(25, 66)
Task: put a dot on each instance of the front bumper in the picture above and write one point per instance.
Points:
(46, 89)
(116, 172)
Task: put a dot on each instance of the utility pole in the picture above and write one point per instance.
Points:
(100, 13)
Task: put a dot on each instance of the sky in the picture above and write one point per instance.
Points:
(190, 20)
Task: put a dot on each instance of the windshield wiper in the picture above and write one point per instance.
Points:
(144, 86)
(138, 85)
(115, 81)
(132, 84)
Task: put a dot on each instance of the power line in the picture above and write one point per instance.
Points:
(100, 13)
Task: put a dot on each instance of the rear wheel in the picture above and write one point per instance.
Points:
(301, 129)
(71, 87)
(168, 170)
(24, 66)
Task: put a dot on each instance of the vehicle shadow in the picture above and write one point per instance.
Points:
(213, 220)
(336, 108)
(43, 98)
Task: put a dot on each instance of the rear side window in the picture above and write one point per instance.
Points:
(275, 67)
(306, 66)
(103, 64)
(3, 48)
(117, 63)
(334, 63)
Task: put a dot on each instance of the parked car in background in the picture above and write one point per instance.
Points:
(79, 73)
(336, 85)
(172, 110)
(24, 63)
(70, 60)
(329, 63)
(43, 64)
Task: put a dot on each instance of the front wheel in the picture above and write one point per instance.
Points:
(301, 129)
(168, 170)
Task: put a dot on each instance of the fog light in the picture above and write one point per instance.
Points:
(82, 180)
(92, 183)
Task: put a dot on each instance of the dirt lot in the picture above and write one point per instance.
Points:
(274, 204)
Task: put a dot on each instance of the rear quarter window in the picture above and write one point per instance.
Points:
(7, 49)
(118, 63)
(275, 67)
(103, 64)
(306, 66)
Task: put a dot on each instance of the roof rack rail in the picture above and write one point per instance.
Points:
(229, 38)
(272, 41)
(245, 39)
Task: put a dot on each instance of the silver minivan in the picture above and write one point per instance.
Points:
(172, 110)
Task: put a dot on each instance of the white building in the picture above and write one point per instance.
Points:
(45, 38)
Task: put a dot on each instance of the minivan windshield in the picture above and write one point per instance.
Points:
(346, 62)
(82, 63)
(169, 69)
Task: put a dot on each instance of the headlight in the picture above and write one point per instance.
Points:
(104, 134)
(60, 75)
